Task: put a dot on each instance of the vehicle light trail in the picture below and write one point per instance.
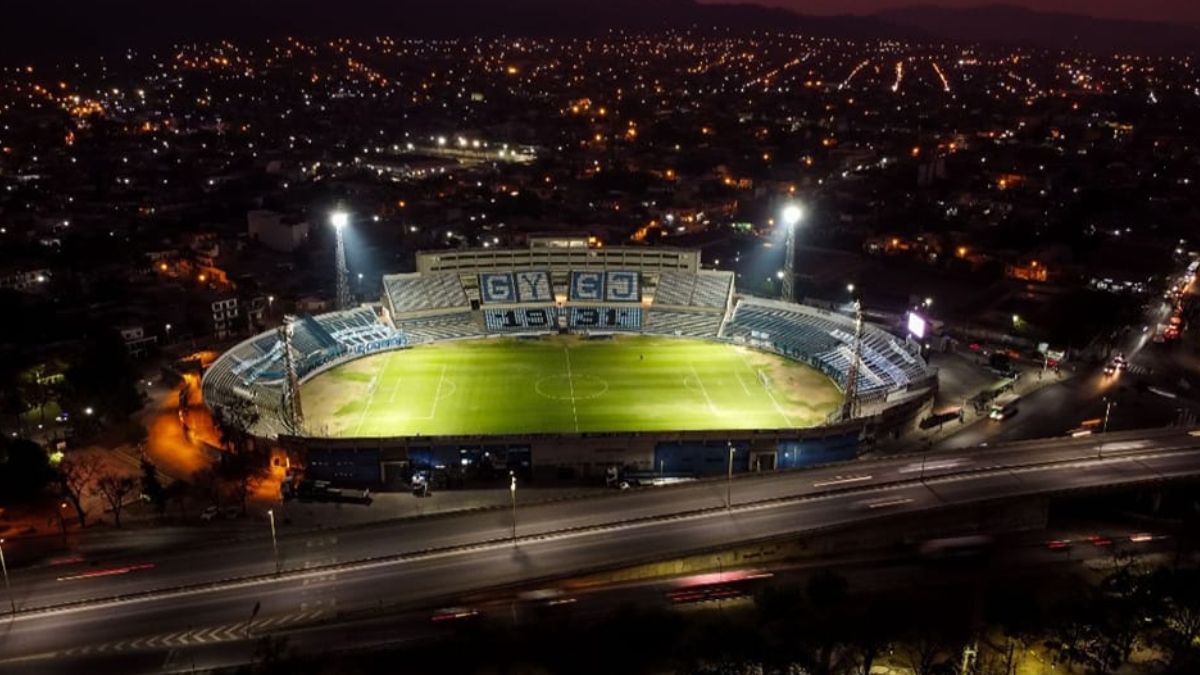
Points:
(941, 76)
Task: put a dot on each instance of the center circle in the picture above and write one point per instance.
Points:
(565, 387)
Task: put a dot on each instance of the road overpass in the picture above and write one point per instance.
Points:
(229, 593)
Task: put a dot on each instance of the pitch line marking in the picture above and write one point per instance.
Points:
(571, 383)
(770, 394)
(396, 384)
(704, 390)
(742, 382)
(437, 395)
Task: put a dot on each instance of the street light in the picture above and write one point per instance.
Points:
(792, 213)
(729, 480)
(849, 288)
(12, 602)
(274, 542)
(512, 491)
(339, 219)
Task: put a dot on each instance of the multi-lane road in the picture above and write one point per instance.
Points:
(229, 593)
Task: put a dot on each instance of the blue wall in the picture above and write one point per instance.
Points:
(807, 452)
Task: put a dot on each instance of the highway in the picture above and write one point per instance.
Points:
(227, 593)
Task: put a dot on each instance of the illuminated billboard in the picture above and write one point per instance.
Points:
(916, 325)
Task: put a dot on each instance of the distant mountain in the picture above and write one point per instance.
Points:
(1010, 24)
(34, 30)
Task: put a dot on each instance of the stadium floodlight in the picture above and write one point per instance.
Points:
(792, 214)
(340, 218)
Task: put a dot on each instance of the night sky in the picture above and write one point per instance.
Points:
(1178, 11)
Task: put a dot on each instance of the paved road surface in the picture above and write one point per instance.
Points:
(556, 540)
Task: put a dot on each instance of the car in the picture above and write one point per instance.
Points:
(1100, 540)
(1059, 544)
(209, 513)
(454, 613)
(1110, 369)
(232, 512)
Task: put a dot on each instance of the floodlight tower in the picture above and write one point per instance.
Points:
(792, 214)
(850, 407)
(340, 219)
(293, 412)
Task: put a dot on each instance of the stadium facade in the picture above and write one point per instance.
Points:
(572, 286)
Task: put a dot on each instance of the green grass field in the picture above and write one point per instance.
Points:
(563, 385)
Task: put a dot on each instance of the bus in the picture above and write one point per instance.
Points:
(1004, 407)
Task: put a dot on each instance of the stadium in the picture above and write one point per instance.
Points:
(572, 358)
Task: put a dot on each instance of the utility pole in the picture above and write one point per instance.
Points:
(512, 491)
(274, 543)
(729, 480)
(12, 602)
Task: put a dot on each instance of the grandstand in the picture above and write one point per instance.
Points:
(825, 340)
(465, 296)
(254, 369)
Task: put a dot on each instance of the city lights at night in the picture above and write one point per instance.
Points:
(825, 338)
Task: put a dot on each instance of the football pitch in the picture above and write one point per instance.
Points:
(565, 384)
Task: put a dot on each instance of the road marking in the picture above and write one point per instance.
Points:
(700, 513)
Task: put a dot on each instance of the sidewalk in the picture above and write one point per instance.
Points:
(916, 437)
(144, 532)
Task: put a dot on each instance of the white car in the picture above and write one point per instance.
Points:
(209, 513)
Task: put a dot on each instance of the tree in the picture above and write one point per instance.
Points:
(103, 378)
(152, 487)
(244, 466)
(24, 471)
(207, 483)
(75, 478)
(1177, 634)
(826, 593)
(114, 488)
(244, 472)
(234, 423)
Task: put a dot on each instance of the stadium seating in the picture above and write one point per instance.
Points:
(689, 324)
(433, 307)
(422, 292)
(452, 326)
(825, 340)
(706, 289)
(254, 370)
